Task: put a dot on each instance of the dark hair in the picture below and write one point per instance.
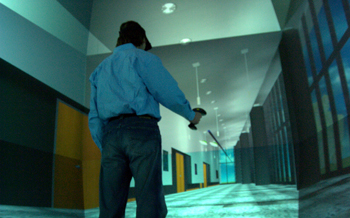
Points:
(131, 32)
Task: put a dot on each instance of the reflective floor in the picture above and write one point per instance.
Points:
(222, 201)
(328, 198)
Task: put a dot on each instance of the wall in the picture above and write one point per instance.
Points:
(43, 55)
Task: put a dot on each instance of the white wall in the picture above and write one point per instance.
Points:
(42, 55)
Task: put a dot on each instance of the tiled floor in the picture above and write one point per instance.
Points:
(222, 201)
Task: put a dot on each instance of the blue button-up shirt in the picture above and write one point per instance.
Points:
(132, 80)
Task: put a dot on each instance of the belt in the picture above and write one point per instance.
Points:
(122, 116)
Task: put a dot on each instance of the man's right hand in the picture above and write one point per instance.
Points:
(196, 118)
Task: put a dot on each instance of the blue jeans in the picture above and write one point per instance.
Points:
(131, 148)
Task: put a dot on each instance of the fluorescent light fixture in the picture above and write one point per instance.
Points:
(244, 51)
(208, 92)
(196, 65)
(185, 41)
(203, 80)
(203, 142)
(168, 8)
(214, 144)
(212, 102)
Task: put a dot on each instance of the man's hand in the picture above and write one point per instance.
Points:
(196, 118)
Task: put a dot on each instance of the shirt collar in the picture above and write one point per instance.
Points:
(124, 47)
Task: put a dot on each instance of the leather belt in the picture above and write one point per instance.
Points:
(122, 116)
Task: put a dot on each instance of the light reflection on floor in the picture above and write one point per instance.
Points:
(222, 201)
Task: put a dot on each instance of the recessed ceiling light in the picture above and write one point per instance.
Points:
(203, 80)
(168, 8)
(212, 102)
(208, 92)
(185, 41)
(221, 120)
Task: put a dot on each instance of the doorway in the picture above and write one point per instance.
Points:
(180, 172)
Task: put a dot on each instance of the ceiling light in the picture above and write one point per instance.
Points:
(203, 142)
(214, 144)
(203, 80)
(185, 41)
(168, 8)
(212, 102)
(221, 120)
(244, 51)
(208, 92)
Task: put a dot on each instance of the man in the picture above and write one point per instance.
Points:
(126, 89)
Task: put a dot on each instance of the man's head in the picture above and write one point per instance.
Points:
(132, 32)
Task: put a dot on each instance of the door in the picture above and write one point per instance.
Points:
(180, 172)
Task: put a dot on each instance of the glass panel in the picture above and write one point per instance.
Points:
(277, 112)
(280, 100)
(341, 114)
(278, 154)
(274, 110)
(345, 55)
(339, 19)
(337, 91)
(325, 33)
(287, 154)
(319, 132)
(315, 50)
(283, 158)
(329, 124)
(344, 137)
(306, 57)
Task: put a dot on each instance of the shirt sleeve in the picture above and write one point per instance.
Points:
(95, 123)
(165, 89)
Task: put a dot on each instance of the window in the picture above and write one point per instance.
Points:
(329, 124)
(319, 132)
(339, 19)
(325, 33)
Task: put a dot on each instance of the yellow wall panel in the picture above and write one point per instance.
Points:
(68, 183)
(91, 171)
(69, 132)
(90, 150)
